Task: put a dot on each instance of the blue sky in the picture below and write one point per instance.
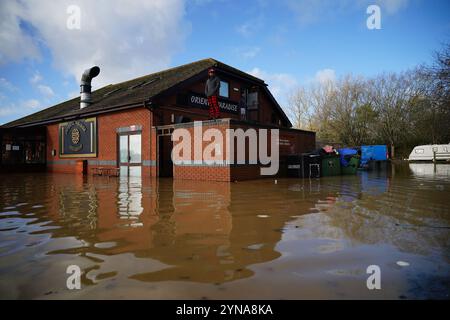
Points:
(288, 43)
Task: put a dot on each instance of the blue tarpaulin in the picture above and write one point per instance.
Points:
(345, 155)
(376, 152)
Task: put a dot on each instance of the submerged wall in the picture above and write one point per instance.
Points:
(216, 164)
(108, 127)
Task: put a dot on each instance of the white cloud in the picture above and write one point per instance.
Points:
(247, 52)
(46, 91)
(31, 104)
(250, 27)
(125, 38)
(73, 94)
(313, 11)
(21, 108)
(278, 35)
(280, 84)
(6, 85)
(15, 43)
(36, 81)
(7, 110)
(201, 2)
(245, 29)
(392, 6)
(325, 75)
(36, 78)
(310, 11)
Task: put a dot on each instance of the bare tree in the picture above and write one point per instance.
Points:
(309, 103)
(301, 109)
(438, 79)
(398, 109)
(391, 95)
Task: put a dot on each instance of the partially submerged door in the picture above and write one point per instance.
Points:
(165, 156)
(130, 154)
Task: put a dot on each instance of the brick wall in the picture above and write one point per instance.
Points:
(201, 171)
(106, 142)
(291, 142)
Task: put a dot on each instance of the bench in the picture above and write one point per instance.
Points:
(113, 172)
(101, 171)
(97, 171)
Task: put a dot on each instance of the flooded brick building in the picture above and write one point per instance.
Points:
(128, 126)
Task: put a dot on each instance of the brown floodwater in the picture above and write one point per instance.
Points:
(148, 238)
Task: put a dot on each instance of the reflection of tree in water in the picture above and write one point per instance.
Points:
(214, 232)
(165, 230)
(376, 209)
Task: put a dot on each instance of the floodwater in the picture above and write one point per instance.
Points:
(145, 238)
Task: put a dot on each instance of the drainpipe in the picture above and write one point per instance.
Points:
(85, 86)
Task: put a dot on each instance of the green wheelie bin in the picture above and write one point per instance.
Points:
(331, 166)
(352, 166)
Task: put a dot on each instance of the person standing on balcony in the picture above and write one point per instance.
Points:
(212, 93)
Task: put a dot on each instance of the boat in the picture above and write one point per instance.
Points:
(430, 152)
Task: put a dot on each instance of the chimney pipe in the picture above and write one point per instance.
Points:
(85, 86)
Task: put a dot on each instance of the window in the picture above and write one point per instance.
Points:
(223, 92)
(252, 101)
(23, 149)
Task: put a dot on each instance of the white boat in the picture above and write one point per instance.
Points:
(440, 152)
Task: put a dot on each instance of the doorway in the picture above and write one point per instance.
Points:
(165, 163)
(130, 154)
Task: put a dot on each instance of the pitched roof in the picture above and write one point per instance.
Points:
(132, 92)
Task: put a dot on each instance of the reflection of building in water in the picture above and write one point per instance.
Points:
(130, 197)
(205, 231)
(97, 208)
(217, 230)
(214, 232)
(78, 205)
(430, 170)
(192, 231)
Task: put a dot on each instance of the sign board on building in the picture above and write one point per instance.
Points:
(78, 138)
(197, 100)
